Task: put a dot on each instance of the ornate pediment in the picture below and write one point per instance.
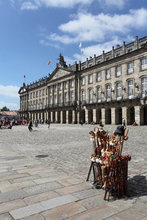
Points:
(59, 72)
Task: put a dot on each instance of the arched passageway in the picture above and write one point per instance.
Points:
(90, 116)
(118, 116)
(130, 115)
(143, 115)
(82, 116)
(98, 116)
(70, 117)
(108, 116)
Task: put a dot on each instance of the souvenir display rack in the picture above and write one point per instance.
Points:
(109, 166)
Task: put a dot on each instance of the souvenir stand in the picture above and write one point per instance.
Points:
(109, 166)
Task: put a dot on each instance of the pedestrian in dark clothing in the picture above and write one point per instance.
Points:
(30, 126)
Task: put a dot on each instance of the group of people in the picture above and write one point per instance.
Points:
(6, 123)
(30, 124)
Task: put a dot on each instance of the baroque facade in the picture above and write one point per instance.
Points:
(109, 88)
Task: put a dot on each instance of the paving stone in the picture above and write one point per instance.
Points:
(122, 204)
(12, 195)
(5, 216)
(97, 213)
(130, 213)
(74, 188)
(47, 179)
(92, 202)
(42, 188)
(40, 197)
(7, 206)
(69, 181)
(86, 193)
(145, 218)
(8, 173)
(12, 177)
(34, 217)
(63, 212)
(24, 179)
(26, 211)
(42, 206)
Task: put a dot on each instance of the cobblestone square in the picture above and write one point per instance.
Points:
(43, 175)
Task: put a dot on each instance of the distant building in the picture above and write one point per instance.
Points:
(109, 88)
(9, 114)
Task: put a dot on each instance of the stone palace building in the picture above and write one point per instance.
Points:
(109, 88)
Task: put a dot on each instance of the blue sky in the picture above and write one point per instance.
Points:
(35, 31)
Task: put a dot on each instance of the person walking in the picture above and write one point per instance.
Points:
(49, 122)
(30, 126)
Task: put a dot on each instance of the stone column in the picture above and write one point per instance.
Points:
(86, 115)
(124, 114)
(103, 115)
(137, 114)
(51, 115)
(113, 122)
(61, 117)
(73, 116)
(67, 117)
(78, 117)
(94, 115)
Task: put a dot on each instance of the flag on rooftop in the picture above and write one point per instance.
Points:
(49, 62)
(80, 45)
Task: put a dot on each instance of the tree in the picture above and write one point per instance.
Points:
(5, 109)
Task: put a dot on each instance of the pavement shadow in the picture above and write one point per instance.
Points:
(137, 186)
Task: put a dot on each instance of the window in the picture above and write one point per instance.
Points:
(43, 92)
(83, 81)
(72, 83)
(39, 92)
(130, 88)
(108, 74)
(71, 96)
(98, 76)
(99, 94)
(130, 67)
(118, 90)
(60, 98)
(90, 95)
(59, 86)
(117, 71)
(55, 99)
(33, 94)
(66, 97)
(83, 95)
(65, 85)
(36, 94)
(55, 88)
(144, 63)
(90, 79)
(144, 85)
(108, 92)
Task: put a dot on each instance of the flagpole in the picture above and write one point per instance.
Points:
(24, 79)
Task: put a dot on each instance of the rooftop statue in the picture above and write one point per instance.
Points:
(61, 61)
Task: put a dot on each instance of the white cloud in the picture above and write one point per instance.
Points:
(29, 6)
(97, 49)
(35, 4)
(9, 91)
(98, 28)
(46, 43)
(11, 106)
(117, 3)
